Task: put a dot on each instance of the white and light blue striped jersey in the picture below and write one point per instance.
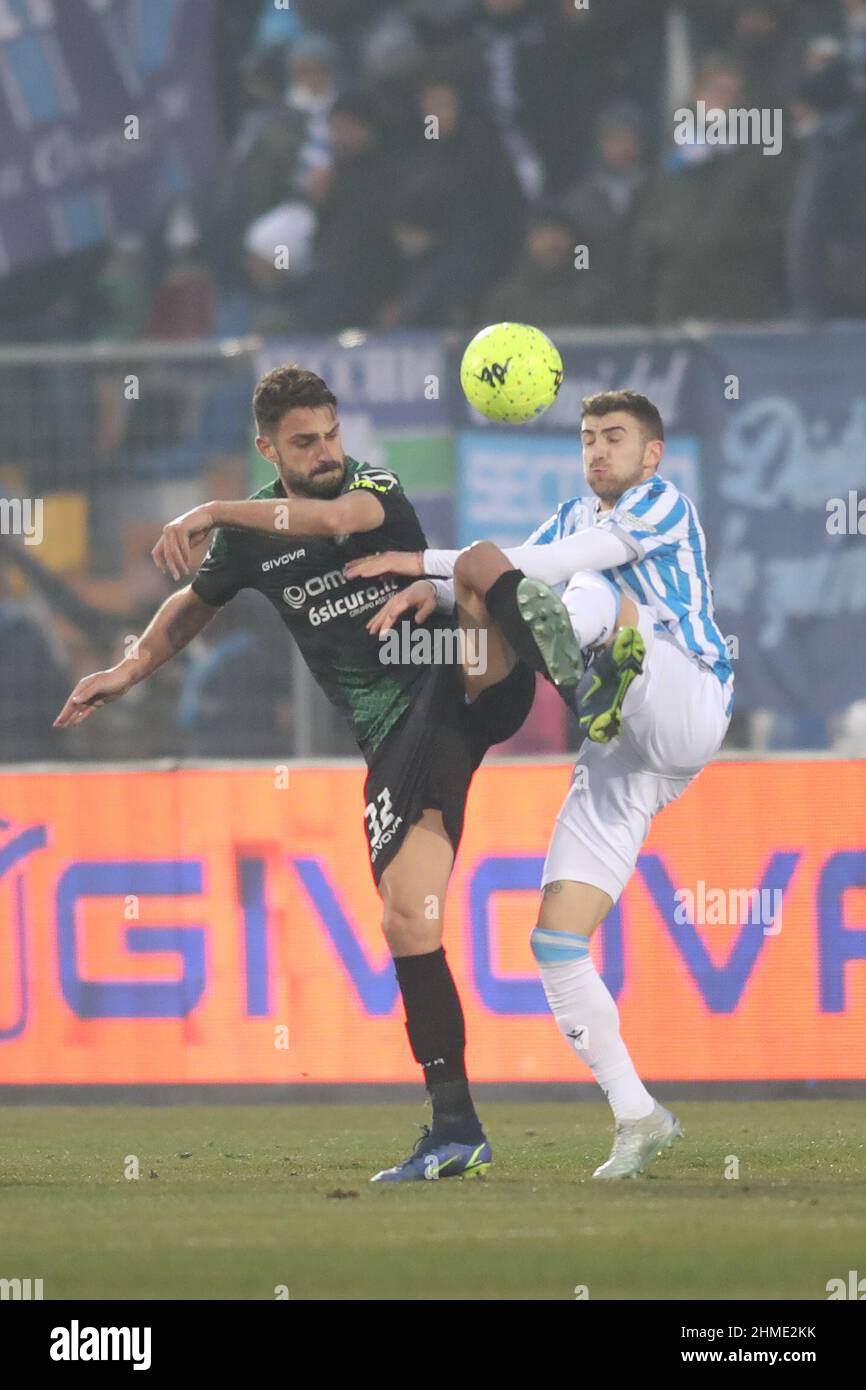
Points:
(670, 575)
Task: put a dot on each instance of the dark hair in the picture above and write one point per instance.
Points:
(640, 407)
(361, 107)
(548, 212)
(827, 89)
(287, 388)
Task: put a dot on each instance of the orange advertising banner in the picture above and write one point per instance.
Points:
(222, 926)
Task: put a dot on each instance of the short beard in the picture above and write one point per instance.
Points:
(613, 493)
(325, 487)
(609, 494)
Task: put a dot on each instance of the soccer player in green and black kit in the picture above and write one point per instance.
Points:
(423, 729)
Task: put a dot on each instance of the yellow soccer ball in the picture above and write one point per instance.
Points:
(511, 372)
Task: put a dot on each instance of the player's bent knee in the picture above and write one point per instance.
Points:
(479, 567)
(409, 934)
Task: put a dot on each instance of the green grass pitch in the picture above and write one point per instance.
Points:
(234, 1201)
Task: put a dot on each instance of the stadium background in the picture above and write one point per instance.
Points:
(140, 300)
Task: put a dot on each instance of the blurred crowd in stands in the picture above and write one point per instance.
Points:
(435, 163)
(428, 164)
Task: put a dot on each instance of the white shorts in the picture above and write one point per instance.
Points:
(674, 721)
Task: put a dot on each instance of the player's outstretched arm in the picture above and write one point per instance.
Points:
(287, 516)
(406, 562)
(178, 621)
(554, 562)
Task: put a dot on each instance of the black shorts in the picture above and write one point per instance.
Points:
(427, 760)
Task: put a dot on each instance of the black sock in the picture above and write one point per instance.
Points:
(501, 601)
(437, 1036)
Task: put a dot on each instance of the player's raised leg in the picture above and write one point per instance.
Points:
(552, 634)
(487, 656)
(485, 572)
(413, 889)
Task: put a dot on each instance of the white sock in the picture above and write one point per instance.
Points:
(588, 1018)
(592, 604)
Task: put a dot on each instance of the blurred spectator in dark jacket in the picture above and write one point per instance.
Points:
(410, 41)
(444, 29)
(766, 43)
(763, 35)
(352, 271)
(710, 238)
(440, 29)
(511, 36)
(439, 262)
(612, 49)
(604, 206)
(826, 241)
(421, 33)
(347, 22)
(548, 288)
(460, 151)
(392, 48)
(234, 26)
(261, 165)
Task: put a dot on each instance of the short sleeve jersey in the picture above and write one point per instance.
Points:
(327, 614)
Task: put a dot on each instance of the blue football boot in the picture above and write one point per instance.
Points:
(432, 1159)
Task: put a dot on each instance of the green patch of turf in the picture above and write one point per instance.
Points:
(238, 1204)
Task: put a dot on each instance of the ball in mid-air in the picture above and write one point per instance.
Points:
(511, 372)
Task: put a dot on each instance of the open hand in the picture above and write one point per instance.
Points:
(421, 596)
(91, 693)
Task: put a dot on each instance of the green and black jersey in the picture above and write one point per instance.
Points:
(326, 613)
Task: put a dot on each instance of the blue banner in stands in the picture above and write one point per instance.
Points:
(106, 115)
(784, 430)
(392, 380)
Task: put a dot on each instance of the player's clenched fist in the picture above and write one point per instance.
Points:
(408, 562)
(172, 552)
(91, 694)
(421, 596)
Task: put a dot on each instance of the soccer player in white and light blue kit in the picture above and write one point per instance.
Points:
(655, 704)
